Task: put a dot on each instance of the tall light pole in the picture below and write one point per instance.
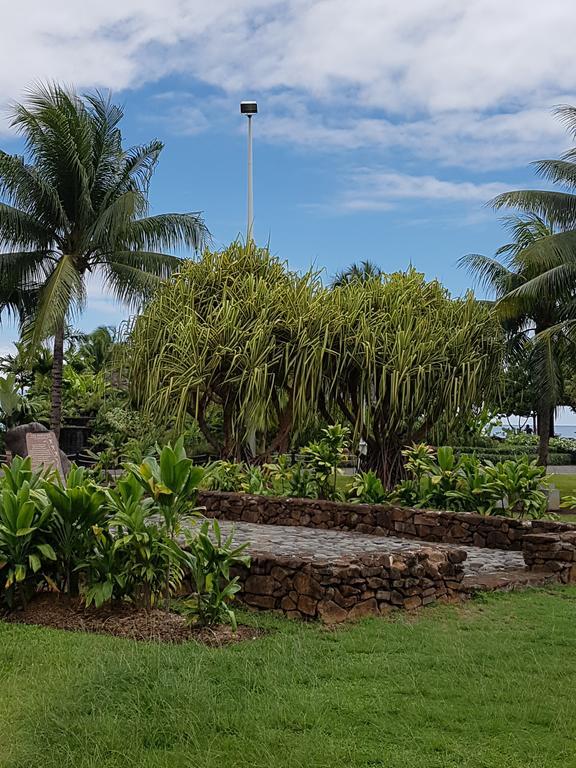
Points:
(249, 108)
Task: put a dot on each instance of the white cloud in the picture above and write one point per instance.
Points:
(462, 83)
(471, 140)
(372, 189)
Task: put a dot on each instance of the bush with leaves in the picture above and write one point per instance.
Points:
(443, 481)
(367, 488)
(172, 481)
(134, 557)
(224, 476)
(324, 457)
(257, 481)
(209, 559)
(78, 505)
(25, 551)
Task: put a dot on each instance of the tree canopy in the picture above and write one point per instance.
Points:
(394, 355)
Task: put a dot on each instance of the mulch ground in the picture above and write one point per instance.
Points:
(59, 612)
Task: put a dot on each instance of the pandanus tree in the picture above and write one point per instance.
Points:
(76, 204)
(532, 322)
(237, 332)
(403, 360)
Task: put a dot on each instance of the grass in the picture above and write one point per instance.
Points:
(484, 685)
(566, 484)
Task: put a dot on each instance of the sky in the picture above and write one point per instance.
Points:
(384, 128)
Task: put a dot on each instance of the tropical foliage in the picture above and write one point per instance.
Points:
(209, 559)
(535, 356)
(75, 205)
(437, 478)
(395, 356)
(233, 330)
(112, 544)
(442, 480)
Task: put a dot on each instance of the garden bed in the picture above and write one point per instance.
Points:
(56, 612)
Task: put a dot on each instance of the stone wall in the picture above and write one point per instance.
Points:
(350, 588)
(384, 520)
(551, 552)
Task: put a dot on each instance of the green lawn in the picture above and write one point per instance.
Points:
(489, 684)
(566, 484)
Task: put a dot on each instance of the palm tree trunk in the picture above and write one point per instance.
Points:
(57, 365)
(544, 434)
(552, 423)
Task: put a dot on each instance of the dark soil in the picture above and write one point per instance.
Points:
(123, 620)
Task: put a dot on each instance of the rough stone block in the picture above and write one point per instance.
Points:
(331, 613)
(260, 601)
(307, 605)
(366, 608)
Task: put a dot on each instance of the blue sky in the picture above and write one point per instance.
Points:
(384, 128)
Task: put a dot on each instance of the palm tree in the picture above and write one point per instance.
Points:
(93, 350)
(528, 318)
(365, 270)
(76, 204)
(555, 251)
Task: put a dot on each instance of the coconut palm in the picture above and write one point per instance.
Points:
(527, 317)
(77, 204)
(551, 258)
(93, 350)
(555, 251)
(365, 270)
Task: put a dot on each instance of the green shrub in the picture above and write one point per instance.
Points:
(24, 549)
(209, 559)
(224, 476)
(114, 543)
(367, 488)
(464, 483)
(19, 473)
(324, 457)
(257, 482)
(138, 561)
(105, 571)
(78, 507)
(172, 481)
(519, 486)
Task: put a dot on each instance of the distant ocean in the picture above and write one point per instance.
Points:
(562, 430)
(565, 431)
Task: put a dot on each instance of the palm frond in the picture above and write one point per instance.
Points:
(63, 294)
(557, 171)
(19, 229)
(25, 188)
(128, 284)
(489, 273)
(559, 208)
(168, 231)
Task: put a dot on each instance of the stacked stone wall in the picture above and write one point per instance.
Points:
(379, 519)
(553, 552)
(350, 588)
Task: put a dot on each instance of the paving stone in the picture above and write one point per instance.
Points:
(328, 546)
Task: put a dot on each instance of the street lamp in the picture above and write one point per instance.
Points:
(249, 108)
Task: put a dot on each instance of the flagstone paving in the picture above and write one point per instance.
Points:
(481, 566)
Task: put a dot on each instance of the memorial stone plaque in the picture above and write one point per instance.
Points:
(44, 451)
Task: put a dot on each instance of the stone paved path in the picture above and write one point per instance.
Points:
(329, 545)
